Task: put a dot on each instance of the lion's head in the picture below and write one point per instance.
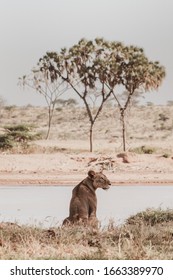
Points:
(99, 180)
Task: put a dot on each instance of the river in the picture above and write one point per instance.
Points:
(47, 206)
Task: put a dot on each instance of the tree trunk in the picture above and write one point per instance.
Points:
(48, 131)
(123, 130)
(91, 137)
(50, 115)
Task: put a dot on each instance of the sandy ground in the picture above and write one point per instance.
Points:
(69, 169)
(64, 159)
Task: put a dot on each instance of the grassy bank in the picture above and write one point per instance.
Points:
(147, 235)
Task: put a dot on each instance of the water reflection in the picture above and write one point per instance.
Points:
(48, 206)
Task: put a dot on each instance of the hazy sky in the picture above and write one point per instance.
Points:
(29, 28)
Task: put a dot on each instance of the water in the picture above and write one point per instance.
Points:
(48, 206)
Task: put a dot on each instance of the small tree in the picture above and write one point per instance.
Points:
(46, 83)
(135, 73)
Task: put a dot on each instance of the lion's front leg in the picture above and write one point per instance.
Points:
(92, 216)
(92, 211)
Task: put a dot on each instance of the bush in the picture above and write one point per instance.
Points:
(143, 150)
(20, 127)
(5, 142)
(17, 134)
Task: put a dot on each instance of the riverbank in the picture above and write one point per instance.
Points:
(71, 168)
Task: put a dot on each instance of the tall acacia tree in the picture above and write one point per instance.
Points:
(135, 73)
(83, 68)
(46, 83)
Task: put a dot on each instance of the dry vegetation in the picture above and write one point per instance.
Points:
(70, 124)
(147, 235)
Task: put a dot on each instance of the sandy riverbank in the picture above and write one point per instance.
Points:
(69, 169)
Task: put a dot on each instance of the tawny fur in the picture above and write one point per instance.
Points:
(83, 204)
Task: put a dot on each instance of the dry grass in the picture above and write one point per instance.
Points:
(147, 235)
(151, 126)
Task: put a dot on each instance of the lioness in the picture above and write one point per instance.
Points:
(83, 203)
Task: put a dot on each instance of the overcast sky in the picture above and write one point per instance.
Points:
(29, 28)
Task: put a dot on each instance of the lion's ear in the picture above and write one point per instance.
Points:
(91, 174)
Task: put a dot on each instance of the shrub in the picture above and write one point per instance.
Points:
(143, 150)
(17, 134)
(5, 142)
(20, 127)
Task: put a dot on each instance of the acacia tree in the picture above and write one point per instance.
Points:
(94, 69)
(46, 83)
(83, 68)
(135, 73)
